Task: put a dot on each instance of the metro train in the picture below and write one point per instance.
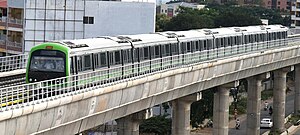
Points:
(70, 57)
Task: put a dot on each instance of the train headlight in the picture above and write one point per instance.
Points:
(30, 79)
(35, 80)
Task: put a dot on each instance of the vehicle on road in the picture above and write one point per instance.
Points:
(266, 123)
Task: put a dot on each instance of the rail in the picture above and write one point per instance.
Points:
(29, 94)
(10, 63)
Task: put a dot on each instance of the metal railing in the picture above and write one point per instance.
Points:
(14, 62)
(3, 18)
(34, 93)
(15, 21)
(13, 44)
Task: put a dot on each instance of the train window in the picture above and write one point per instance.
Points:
(152, 52)
(136, 55)
(222, 42)
(188, 47)
(125, 56)
(251, 38)
(205, 45)
(279, 35)
(235, 40)
(274, 35)
(117, 57)
(225, 41)
(168, 50)
(96, 60)
(87, 62)
(129, 52)
(283, 35)
(197, 48)
(183, 47)
(218, 42)
(174, 49)
(209, 44)
(229, 41)
(157, 51)
(144, 53)
(103, 60)
(72, 65)
(79, 63)
(165, 50)
(246, 39)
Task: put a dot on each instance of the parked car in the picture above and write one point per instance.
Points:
(266, 123)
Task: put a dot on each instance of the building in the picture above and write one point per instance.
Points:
(38, 21)
(170, 9)
(295, 14)
(11, 29)
(282, 5)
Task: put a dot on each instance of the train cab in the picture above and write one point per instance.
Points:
(47, 61)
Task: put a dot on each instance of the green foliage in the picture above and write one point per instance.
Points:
(161, 21)
(241, 106)
(159, 125)
(191, 19)
(266, 94)
(220, 16)
(294, 119)
(274, 132)
(203, 108)
(236, 18)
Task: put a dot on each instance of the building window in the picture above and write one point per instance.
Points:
(88, 20)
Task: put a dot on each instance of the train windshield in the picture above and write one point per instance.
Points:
(48, 64)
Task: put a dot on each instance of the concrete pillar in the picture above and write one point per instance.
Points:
(253, 103)
(129, 125)
(297, 90)
(181, 115)
(279, 95)
(221, 109)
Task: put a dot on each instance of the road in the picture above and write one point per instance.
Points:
(289, 107)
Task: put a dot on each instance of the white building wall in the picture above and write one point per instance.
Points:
(117, 18)
(16, 3)
(48, 20)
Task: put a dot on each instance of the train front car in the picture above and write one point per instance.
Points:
(47, 61)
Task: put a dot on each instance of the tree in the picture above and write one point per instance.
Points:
(203, 108)
(161, 21)
(188, 18)
(159, 125)
(234, 18)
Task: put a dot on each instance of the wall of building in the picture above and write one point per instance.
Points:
(117, 18)
(48, 20)
(16, 3)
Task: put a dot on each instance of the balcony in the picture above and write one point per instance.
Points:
(10, 46)
(12, 22)
(15, 21)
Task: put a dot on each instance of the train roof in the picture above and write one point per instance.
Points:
(223, 32)
(189, 35)
(80, 46)
(276, 28)
(149, 39)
